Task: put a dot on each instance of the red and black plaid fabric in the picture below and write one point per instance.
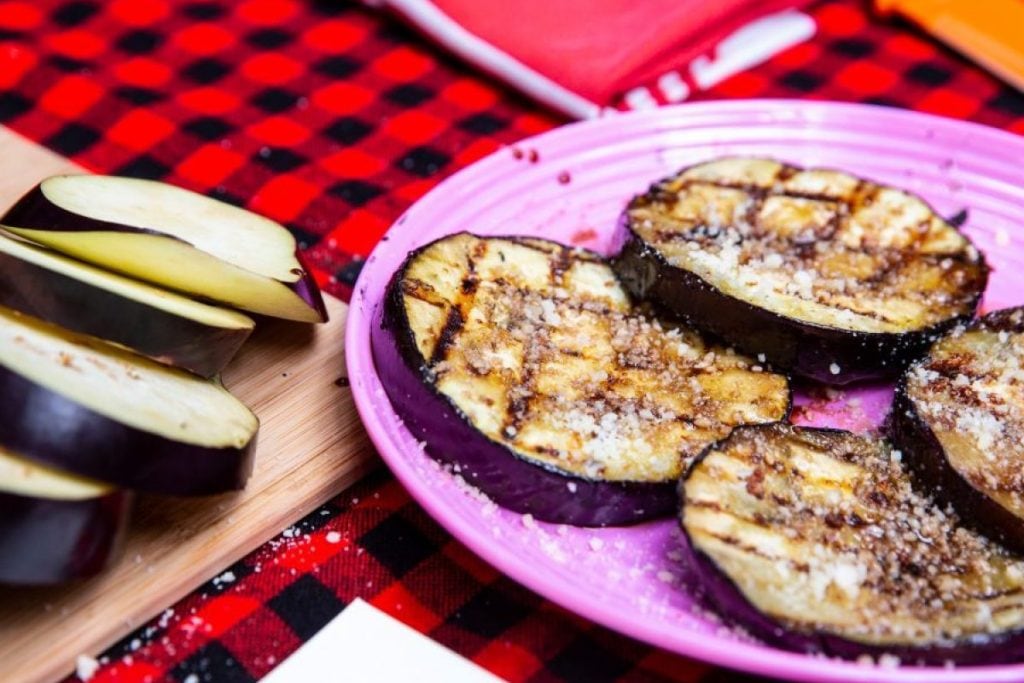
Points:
(333, 120)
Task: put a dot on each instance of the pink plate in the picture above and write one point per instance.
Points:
(570, 185)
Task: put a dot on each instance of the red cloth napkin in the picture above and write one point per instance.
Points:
(580, 56)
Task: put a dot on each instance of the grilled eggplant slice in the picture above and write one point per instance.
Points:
(829, 276)
(958, 418)
(172, 238)
(815, 540)
(55, 526)
(77, 403)
(523, 364)
(164, 326)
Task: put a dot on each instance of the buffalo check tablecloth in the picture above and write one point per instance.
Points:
(333, 118)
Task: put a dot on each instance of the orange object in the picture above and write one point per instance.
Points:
(988, 31)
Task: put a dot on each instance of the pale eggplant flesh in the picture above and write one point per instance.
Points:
(162, 325)
(958, 418)
(829, 276)
(523, 364)
(55, 526)
(815, 540)
(172, 238)
(76, 403)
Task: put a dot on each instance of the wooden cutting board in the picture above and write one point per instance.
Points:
(311, 447)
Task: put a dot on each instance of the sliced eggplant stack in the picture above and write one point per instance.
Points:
(827, 275)
(523, 364)
(815, 540)
(958, 418)
(164, 326)
(55, 526)
(172, 238)
(79, 404)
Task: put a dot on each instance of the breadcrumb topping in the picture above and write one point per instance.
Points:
(832, 537)
(551, 359)
(815, 245)
(970, 392)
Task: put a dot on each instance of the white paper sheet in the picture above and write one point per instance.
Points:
(364, 645)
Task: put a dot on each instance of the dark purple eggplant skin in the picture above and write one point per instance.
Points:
(44, 541)
(506, 477)
(80, 307)
(307, 289)
(34, 211)
(719, 594)
(45, 426)
(926, 460)
(796, 346)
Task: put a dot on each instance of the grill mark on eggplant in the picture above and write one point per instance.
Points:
(705, 504)
(888, 267)
(452, 326)
(422, 291)
(745, 547)
(519, 407)
(558, 267)
(508, 325)
(456, 319)
(960, 419)
(942, 592)
(785, 173)
(992, 595)
(756, 192)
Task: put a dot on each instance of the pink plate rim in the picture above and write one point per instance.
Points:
(719, 650)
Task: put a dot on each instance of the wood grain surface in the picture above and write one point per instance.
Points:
(311, 447)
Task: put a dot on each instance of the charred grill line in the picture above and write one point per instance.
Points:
(992, 595)
(753, 213)
(456, 320)
(471, 280)
(423, 291)
(558, 267)
(518, 410)
(515, 357)
(755, 191)
(452, 326)
(921, 583)
(864, 275)
(754, 550)
(863, 195)
(785, 173)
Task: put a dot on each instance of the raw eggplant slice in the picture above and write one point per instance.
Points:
(958, 418)
(173, 238)
(167, 327)
(815, 540)
(77, 403)
(523, 364)
(830, 276)
(55, 526)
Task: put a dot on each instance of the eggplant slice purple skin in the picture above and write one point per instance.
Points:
(45, 541)
(34, 211)
(51, 428)
(55, 526)
(721, 593)
(808, 350)
(74, 304)
(929, 460)
(822, 352)
(98, 411)
(509, 480)
(513, 481)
